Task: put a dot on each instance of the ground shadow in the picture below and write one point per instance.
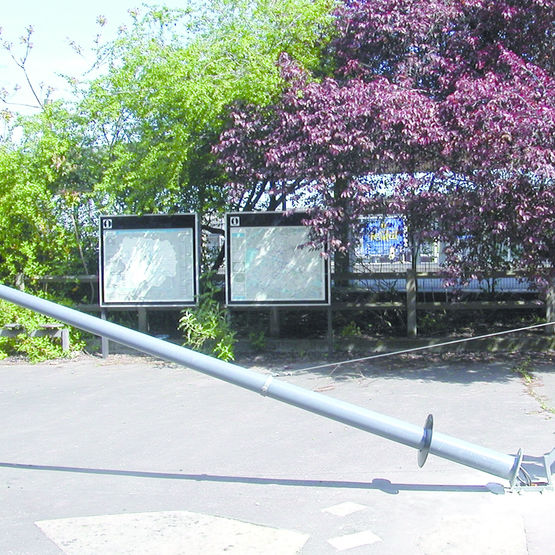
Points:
(456, 369)
(380, 484)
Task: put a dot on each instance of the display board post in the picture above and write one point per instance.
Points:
(142, 318)
(104, 341)
(274, 322)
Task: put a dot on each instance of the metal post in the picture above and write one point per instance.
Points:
(105, 344)
(274, 322)
(142, 318)
(421, 438)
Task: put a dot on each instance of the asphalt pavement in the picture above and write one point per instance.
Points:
(132, 455)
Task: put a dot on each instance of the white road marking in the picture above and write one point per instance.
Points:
(169, 532)
(342, 543)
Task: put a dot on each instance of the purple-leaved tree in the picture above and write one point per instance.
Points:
(457, 96)
(319, 139)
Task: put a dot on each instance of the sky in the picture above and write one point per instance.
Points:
(55, 23)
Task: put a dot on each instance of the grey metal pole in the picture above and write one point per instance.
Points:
(104, 342)
(504, 466)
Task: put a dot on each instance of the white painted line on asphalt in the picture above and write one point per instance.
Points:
(342, 543)
(170, 533)
(344, 509)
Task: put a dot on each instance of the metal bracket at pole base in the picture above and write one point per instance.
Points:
(426, 441)
(534, 473)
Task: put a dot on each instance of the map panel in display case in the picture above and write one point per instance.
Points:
(269, 261)
(148, 260)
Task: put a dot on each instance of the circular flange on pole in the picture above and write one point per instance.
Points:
(516, 471)
(426, 440)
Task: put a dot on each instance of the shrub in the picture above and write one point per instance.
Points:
(36, 349)
(207, 329)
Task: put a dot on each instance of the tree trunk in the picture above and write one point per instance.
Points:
(342, 259)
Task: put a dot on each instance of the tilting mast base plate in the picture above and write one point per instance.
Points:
(535, 473)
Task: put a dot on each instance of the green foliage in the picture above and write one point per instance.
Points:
(207, 329)
(524, 369)
(257, 340)
(34, 241)
(350, 330)
(162, 103)
(138, 135)
(433, 323)
(43, 182)
(36, 349)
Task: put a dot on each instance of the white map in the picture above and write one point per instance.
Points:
(271, 264)
(152, 265)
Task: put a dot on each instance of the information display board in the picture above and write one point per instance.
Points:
(148, 260)
(268, 263)
(382, 239)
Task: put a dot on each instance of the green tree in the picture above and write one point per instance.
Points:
(138, 136)
(38, 236)
(162, 103)
(33, 243)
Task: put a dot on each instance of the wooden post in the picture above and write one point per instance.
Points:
(330, 330)
(20, 281)
(411, 303)
(65, 339)
(550, 308)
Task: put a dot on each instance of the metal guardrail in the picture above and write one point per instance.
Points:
(425, 440)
